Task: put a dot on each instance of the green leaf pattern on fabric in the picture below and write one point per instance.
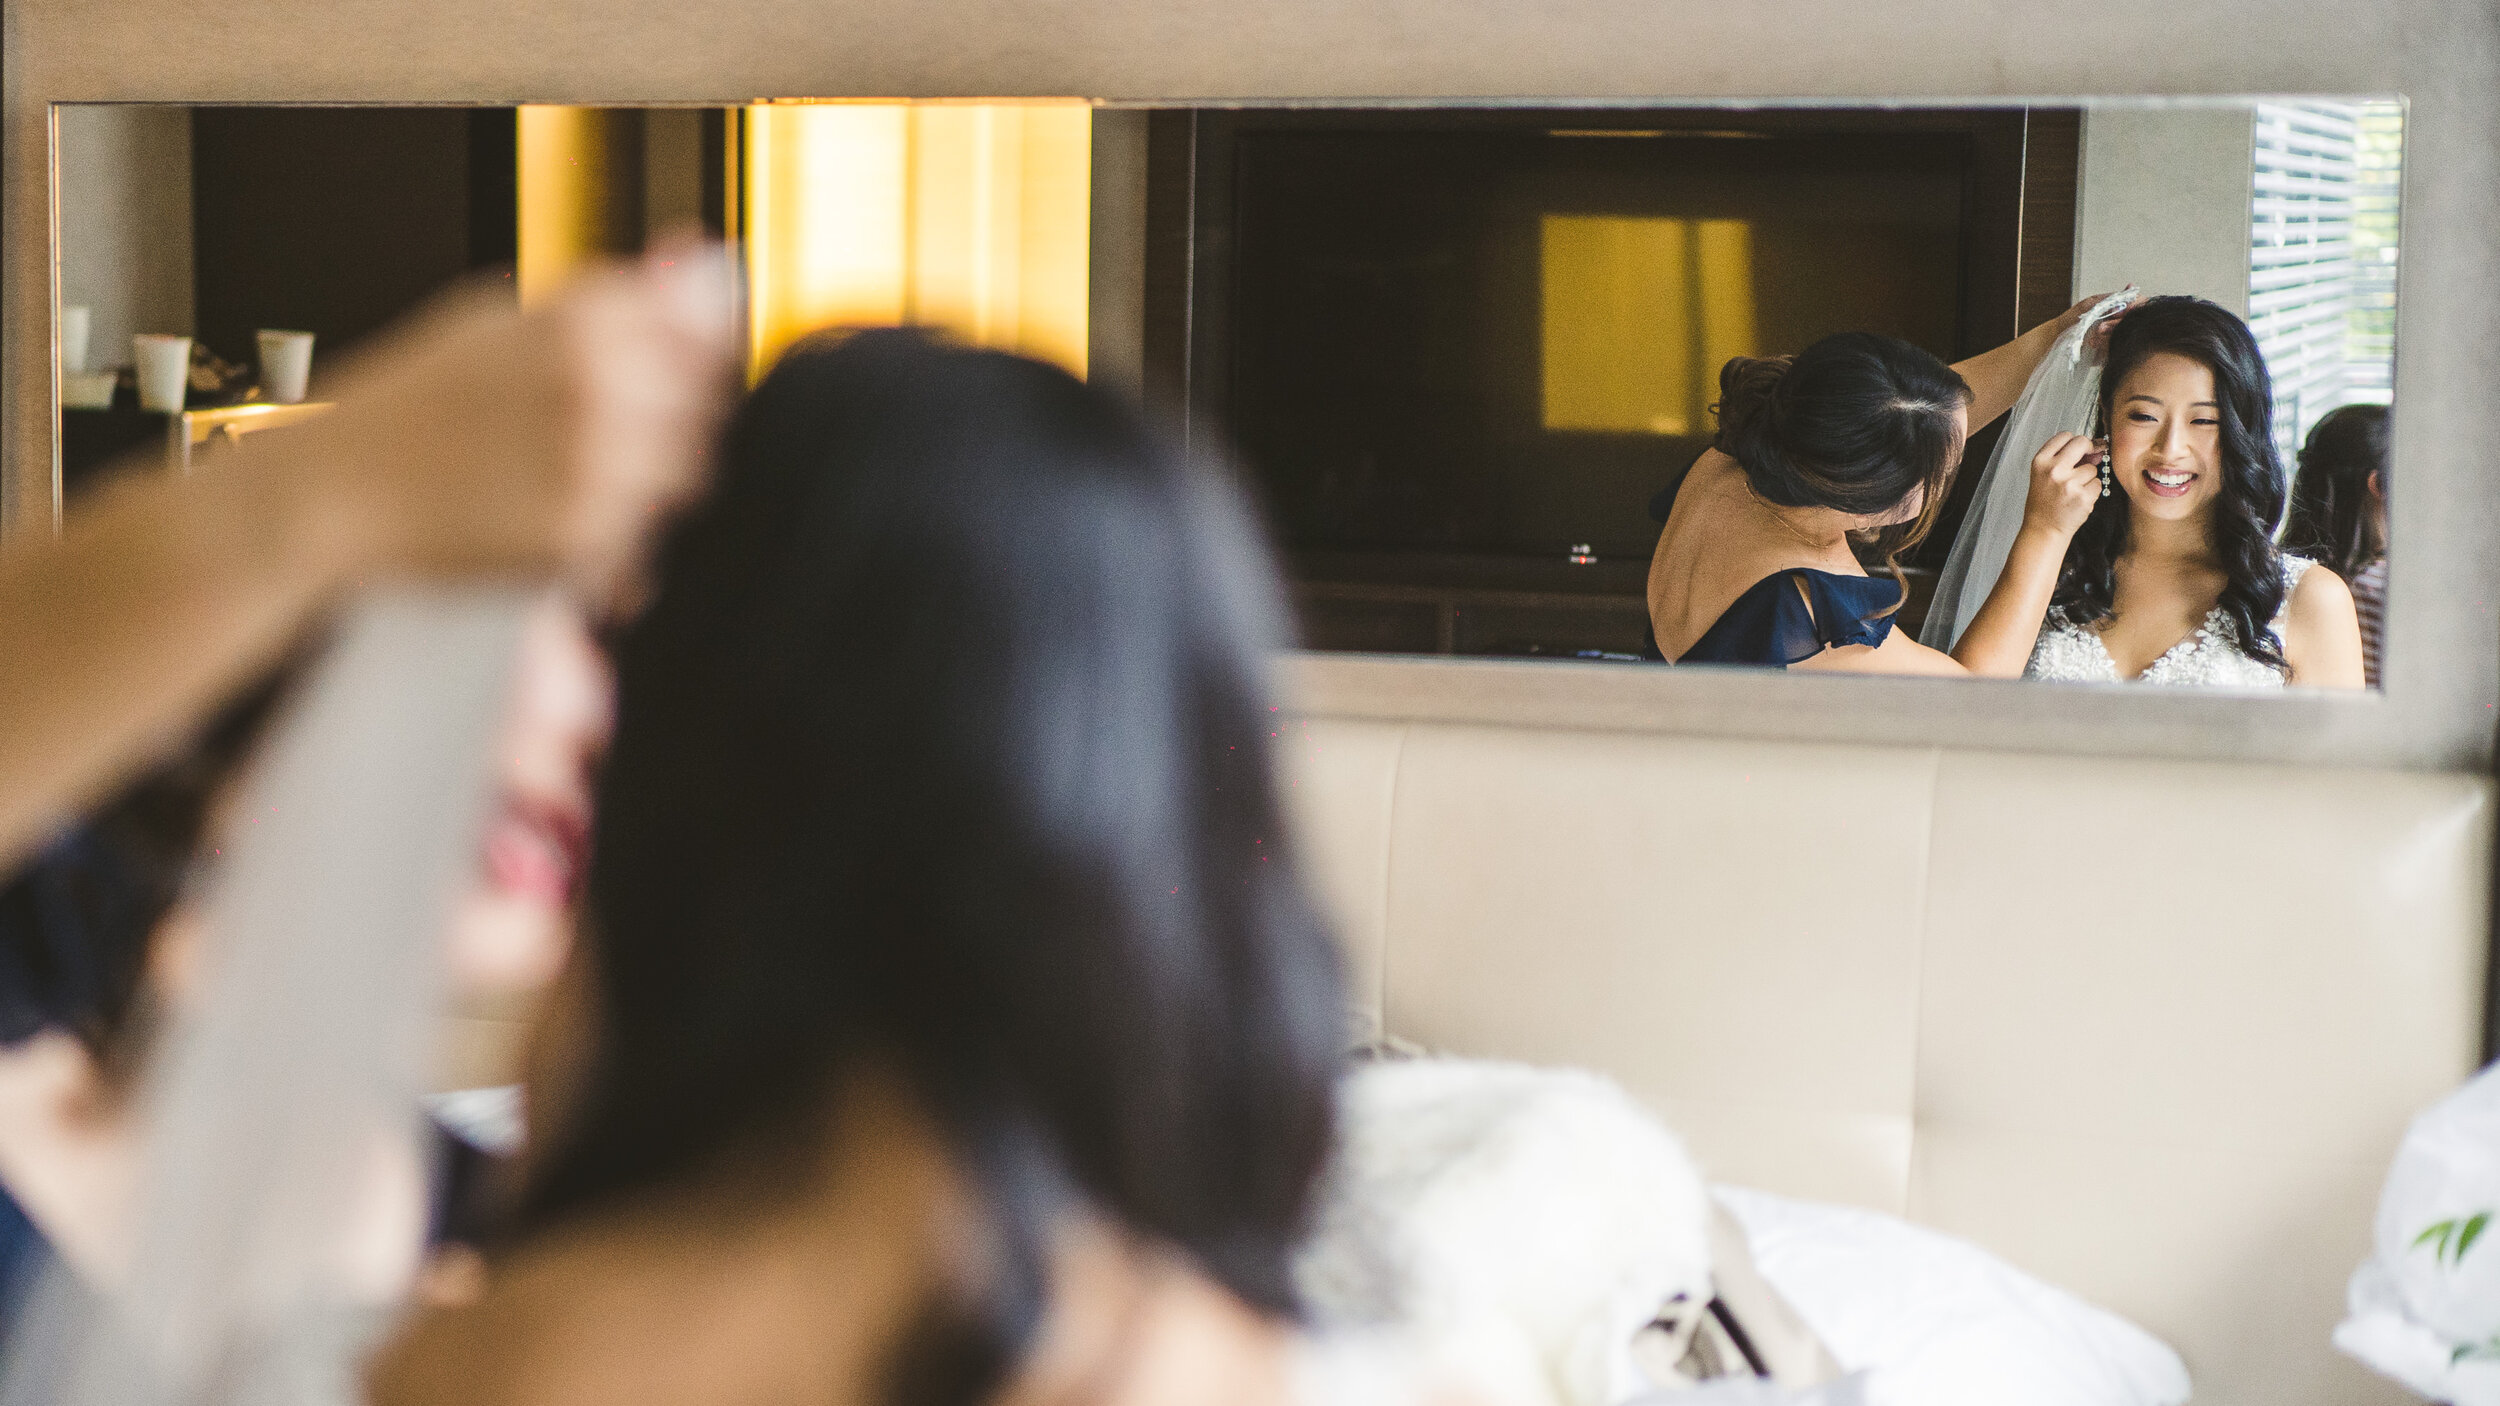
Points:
(2450, 1240)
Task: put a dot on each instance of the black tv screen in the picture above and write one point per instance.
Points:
(1501, 342)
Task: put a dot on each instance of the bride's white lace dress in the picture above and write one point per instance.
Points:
(2209, 658)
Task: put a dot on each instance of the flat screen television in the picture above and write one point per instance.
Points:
(1494, 335)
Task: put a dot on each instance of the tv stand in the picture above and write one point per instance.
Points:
(1489, 606)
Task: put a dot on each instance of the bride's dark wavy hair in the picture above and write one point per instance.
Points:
(1857, 422)
(2251, 499)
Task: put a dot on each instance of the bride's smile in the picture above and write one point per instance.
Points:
(2165, 436)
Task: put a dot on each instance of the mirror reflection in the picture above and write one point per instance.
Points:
(1519, 383)
(1831, 388)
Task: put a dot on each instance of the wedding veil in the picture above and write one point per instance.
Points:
(2063, 392)
(281, 1198)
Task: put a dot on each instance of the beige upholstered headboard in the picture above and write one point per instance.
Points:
(2147, 1030)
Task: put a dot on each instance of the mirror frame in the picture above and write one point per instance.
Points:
(2443, 646)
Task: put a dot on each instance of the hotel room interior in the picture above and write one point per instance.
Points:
(2134, 990)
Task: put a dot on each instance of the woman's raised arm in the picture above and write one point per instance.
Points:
(1997, 377)
(477, 443)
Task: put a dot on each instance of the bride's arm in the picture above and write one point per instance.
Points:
(2065, 483)
(2322, 632)
(1997, 377)
(1898, 654)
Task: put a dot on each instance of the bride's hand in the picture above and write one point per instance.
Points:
(2065, 483)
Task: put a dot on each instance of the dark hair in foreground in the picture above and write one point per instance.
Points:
(2335, 520)
(2250, 501)
(945, 743)
(1857, 422)
(77, 917)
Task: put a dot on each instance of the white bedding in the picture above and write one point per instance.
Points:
(1517, 1227)
(1936, 1321)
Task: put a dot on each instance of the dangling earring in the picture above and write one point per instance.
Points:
(2105, 476)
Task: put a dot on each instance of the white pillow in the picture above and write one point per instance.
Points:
(1936, 1321)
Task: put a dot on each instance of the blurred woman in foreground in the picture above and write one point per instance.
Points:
(102, 947)
(474, 444)
(951, 1016)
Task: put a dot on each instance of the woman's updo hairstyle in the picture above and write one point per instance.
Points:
(1856, 423)
(2250, 502)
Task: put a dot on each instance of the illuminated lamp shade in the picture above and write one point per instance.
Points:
(972, 218)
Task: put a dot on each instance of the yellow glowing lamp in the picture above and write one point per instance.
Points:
(972, 218)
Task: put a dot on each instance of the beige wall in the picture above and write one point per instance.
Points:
(1115, 317)
(2164, 203)
(126, 224)
(672, 170)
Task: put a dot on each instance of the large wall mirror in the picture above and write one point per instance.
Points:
(1475, 359)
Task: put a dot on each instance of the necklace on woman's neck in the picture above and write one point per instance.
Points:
(2189, 542)
(1776, 515)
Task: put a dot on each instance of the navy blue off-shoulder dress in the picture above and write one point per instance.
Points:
(1793, 615)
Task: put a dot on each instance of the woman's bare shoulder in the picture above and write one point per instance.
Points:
(1715, 459)
(2320, 599)
(2322, 631)
(2318, 589)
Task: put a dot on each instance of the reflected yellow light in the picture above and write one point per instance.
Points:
(825, 235)
(569, 170)
(1639, 313)
(1618, 341)
(1723, 283)
(972, 218)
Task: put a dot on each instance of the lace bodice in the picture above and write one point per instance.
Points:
(2209, 658)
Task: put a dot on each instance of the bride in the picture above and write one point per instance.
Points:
(2174, 578)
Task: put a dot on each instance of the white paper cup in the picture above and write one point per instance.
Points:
(164, 371)
(74, 324)
(88, 390)
(285, 365)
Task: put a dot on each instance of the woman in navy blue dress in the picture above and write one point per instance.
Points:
(1857, 435)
